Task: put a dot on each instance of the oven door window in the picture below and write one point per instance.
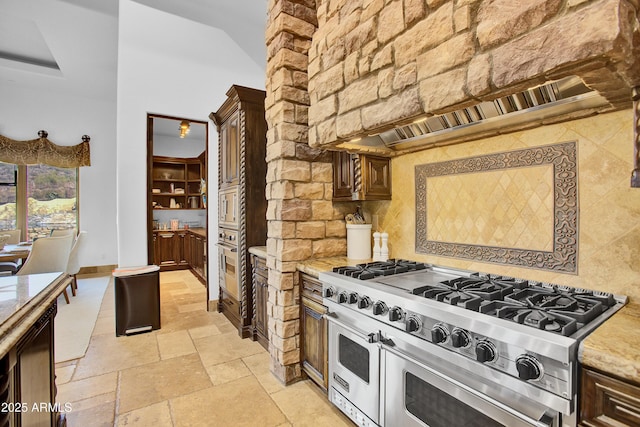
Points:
(354, 357)
(436, 408)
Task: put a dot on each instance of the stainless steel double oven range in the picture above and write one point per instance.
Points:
(413, 344)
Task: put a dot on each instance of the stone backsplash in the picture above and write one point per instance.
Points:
(608, 228)
(374, 64)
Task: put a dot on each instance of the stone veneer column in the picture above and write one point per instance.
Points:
(302, 221)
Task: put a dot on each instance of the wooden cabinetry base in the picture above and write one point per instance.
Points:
(230, 307)
(608, 401)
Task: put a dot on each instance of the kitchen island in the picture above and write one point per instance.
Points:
(28, 305)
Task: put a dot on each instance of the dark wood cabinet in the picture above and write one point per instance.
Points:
(28, 378)
(242, 170)
(361, 177)
(180, 250)
(313, 331)
(260, 298)
(165, 250)
(607, 401)
(230, 151)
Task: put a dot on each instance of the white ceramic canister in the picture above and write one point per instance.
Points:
(359, 241)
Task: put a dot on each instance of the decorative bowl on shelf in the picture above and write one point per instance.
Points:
(155, 190)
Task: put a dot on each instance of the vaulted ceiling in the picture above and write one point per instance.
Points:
(71, 45)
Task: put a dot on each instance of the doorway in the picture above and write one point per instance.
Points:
(177, 224)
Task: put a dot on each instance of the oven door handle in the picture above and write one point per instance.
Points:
(547, 419)
(371, 337)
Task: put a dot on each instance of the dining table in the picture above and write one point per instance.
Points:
(15, 252)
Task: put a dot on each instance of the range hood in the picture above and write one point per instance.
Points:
(560, 100)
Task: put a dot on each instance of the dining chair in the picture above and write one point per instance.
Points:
(62, 232)
(48, 255)
(6, 267)
(73, 266)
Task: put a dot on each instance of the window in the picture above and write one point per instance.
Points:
(8, 180)
(40, 199)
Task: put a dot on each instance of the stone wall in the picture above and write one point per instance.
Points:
(378, 63)
(302, 221)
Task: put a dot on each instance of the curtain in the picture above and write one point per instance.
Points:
(43, 151)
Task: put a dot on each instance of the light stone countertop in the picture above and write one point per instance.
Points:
(313, 267)
(259, 251)
(24, 300)
(614, 347)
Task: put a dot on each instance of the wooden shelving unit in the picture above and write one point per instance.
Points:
(177, 179)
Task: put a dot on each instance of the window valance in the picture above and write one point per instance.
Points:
(43, 151)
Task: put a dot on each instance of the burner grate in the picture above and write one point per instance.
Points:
(370, 270)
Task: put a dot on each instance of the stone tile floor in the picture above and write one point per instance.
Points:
(194, 371)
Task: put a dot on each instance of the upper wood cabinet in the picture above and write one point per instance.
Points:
(361, 177)
(230, 151)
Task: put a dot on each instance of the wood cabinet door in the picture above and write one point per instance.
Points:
(376, 178)
(230, 150)
(314, 338)
(181, 246)
(342, 175)
(261, 295)
(165, 250)
(607, 401)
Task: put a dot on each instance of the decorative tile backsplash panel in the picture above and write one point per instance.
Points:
(518, 208)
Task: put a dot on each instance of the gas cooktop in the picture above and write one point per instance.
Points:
(554, 308)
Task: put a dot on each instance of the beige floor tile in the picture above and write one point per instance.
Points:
(74, 391)
(180, 321)
(104, 325)
(175, 344)
(222, 348)
(155, 382)
(258, 364)
(238, 403)
(108, 353)
(204, 331)
(305, 405)
(64, 373)
(97, 416)
(230, 371)
(89, 403)
(158, 415)
(196, 306)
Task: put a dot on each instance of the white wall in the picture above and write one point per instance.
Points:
(69, 106)
(168, 65)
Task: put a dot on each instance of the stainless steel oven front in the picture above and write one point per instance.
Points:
(354, 373)
(429, 394)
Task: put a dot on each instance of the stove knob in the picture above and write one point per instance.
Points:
(329, 292)
(438, 334)
(528, 368)
(353, 298)
(380, 308)
(485, 352)
(342, 298)
(460, 338)
(413, 324)
(396, 314)
(365, 302)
